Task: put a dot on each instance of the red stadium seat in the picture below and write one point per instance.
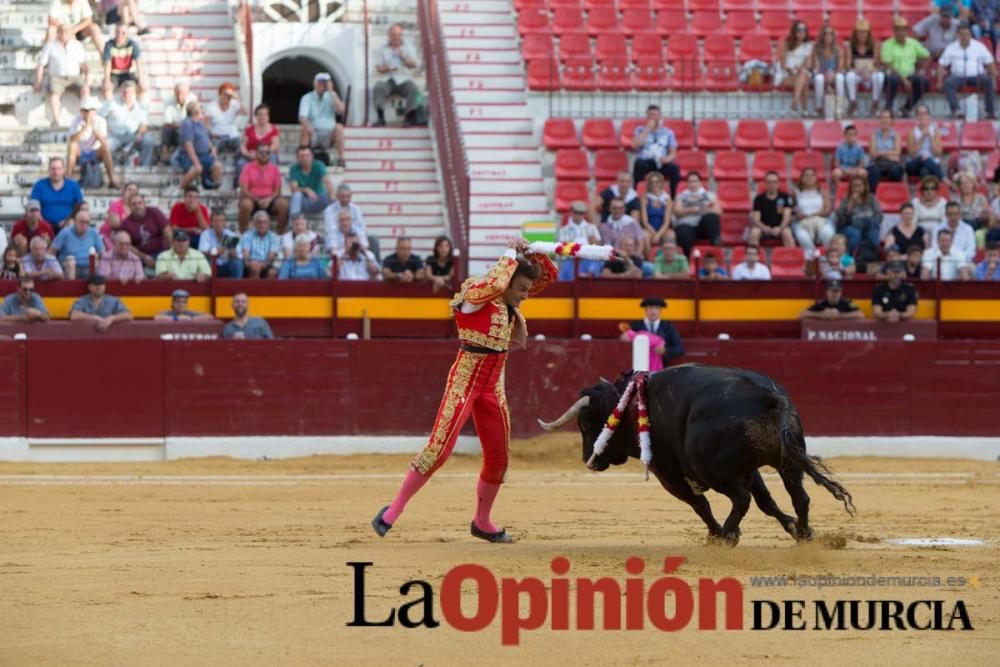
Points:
(543, 75)
(881, 23)
(626, 5)
(572, 165)
(703, 23)
(730, 165)
(949, 135)
(682, 47)
(734, 226)
(773, 6)
(578, 74)
(739, 252)
(867, 126)
(775, 23)
(734, 196)
(568, 20)
(647, 46)
(628, 131)
(790, 135)
(807, 5)
(842, 22)
(568, 192)
(686, 75)
(599, 133)
(608, 162)
(533, 21)
(598, 4)
(602, 21)
(651, 74)
(913, 5)
(574, 45)
(533, 4)
(689, 161)
(611, 46)
(881, 6)
(756, 46)
(845, 5)
(537, 46)
(683, 130)
(714, 134)
(765, 161)
(740, 23)
(979, 136)
(560, 133)
(722, 76)
(703, 5)
(615, 75)
(788, 263)
(671, 23)
(826, 135)
(638, 22)
(892, 195)
(802, 160)
(813, 19)
(565, 4)
(669, 5)
(719, 47)
(752, 135)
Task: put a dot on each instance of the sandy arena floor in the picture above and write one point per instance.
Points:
(216, 561)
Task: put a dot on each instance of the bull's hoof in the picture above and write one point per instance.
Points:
(803, 534)
(724, 539)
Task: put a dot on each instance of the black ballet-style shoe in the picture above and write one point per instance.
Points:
(500, 537)
(379, 524)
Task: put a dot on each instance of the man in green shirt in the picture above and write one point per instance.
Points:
(901, 58)
(311, 188)
(182, 262)
(670, 263)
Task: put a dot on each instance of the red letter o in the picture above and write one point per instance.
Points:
(451, 597)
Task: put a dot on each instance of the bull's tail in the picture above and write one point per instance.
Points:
(793, 454)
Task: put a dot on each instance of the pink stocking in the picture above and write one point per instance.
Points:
(486, 493)
(411, 484)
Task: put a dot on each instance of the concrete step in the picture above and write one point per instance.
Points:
(498, 31)
(220, 34)
(479, 82)
(403, 208)
(452, 7)
(486, 187)
(516, 96)
(478, 54)
(458, 69)
(482, 238)
(189, 20)
(475, 141)
(482, 44)
(171, 56)
(502, 127)
(395, 165)
(496, 155)
(193, 68)
(493, 112)
(499, 171)
(367, 154)
(532, 204)
(362, 142)
(476, 20)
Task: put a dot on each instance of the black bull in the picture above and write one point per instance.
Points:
(711, 428)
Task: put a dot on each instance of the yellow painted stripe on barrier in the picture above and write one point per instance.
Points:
(548, 309)
(280, 307)
(677, 310)
(385, 308)
(970, 310)
(141, 307)
(744, 310)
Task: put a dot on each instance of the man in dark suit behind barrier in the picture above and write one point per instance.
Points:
(672, 348)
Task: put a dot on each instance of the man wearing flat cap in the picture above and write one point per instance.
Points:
(833, 306)
(318, 111)
(672, 348)
(179, 310)
(578, 229)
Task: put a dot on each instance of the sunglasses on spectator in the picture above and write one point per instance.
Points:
(930, 188)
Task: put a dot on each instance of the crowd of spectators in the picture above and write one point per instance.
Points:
(943, 47)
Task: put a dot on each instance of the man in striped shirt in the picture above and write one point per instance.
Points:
(259, 248)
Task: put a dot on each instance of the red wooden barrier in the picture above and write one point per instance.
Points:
(105, 388)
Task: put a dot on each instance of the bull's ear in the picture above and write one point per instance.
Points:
(605, 381)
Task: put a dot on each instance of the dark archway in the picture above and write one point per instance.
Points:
(287, 80)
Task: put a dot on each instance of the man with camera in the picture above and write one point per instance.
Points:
(356, 262)
(318, 111)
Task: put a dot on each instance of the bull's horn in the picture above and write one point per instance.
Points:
(573, 411)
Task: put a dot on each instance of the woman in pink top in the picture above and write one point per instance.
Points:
(117, 211)
(260, 131)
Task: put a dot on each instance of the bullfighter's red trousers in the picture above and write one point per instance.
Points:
(475, 387)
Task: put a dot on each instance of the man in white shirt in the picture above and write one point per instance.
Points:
(331, 215)
(969, 63)
(174, 111)
(67, 67)
(128, 124)
(963, 237)
(395, 63)
(954, 265)
(577, 229)
(300, 227)
(78, 18)
(221, 119)
(356, 262)
(335, 236)
(751, 268)
(88, 141)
